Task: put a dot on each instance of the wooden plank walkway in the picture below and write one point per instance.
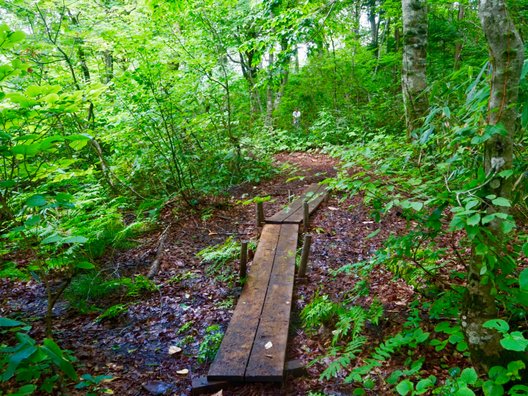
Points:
(254, 346)
(294, 214)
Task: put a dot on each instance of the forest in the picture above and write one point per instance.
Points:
(137, 137)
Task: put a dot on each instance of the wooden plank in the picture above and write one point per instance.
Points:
(280, 217)
(201, 385)
(232, 357)
(267, 364)
(315, 200)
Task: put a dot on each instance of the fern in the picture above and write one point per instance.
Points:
(385, 350)
(318, 312)
(352, 349)
(351, 322)
(348, 327)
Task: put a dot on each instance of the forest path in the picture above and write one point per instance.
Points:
(254, 346)
(134, 348)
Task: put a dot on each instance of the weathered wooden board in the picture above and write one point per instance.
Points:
(268, 355)
(294, 213)
(231, 360)
(254, 346)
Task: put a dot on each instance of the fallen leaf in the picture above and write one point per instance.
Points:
(219, 393)
(268, 345)
(174, 349)
(182, 372)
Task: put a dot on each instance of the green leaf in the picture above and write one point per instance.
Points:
(373, 233)
(501, 201)
(515, 366)
(481, 249)
(514, 341)
(499, 375)
(417, 206)
(32, 220)
(6, 322)
(497, 324)
(506, 173)
(404, 387)
(57, 357)
(425, 384)
(473, 220)
(29, 150)
(51, 239)
(469, 376)
(523, 280)
(488, 218)
(84, 265)
(36, 201)
(492, 389)
(16, 359)
(75, 239)
(28, 389)
(507, 226)
(519, 390)
(464, 391)
(525, 249)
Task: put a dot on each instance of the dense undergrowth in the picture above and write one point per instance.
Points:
(435, 184)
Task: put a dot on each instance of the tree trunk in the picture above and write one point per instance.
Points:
(269, 92)
(284, 69)
(109, 66)
(458, 45)
(374, 25)
(414, 82)
(507, 56)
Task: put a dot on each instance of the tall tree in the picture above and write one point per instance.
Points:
(414, 82)
(507, 57)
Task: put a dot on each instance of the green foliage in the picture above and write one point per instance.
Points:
(210, 344)
(94, 385)
(456, 337)
(34, 367)
(88, 291)
(112, 115)
(347, 322)
(514, 341)
(113, 312)
(218, 257)
(320, 311)
(436, 184)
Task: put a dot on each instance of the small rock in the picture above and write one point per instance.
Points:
(157, 387)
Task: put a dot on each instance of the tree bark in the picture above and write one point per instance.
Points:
(269, 92)
(109, 66)
(374, 25)
(507, 56)
(414, 82)
(458, 45)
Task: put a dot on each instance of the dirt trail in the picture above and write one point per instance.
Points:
(134, 348)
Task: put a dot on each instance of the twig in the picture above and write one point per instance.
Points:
(155, 266)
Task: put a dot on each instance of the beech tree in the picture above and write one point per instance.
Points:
(414, 82)
(506, 57)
